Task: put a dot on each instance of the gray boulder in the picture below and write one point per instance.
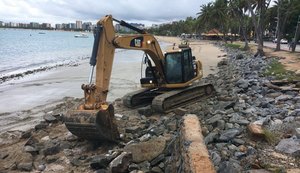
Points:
(229, 167)
(210, 137)
(146, 151)
(229, 134)
(121, 163)
(289, 146)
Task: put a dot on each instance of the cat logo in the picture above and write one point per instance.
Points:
(136, 42)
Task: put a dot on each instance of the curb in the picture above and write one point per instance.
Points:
(194, 151)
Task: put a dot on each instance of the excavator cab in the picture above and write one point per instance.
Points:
(179, 67)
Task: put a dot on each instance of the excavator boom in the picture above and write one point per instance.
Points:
(168, 79)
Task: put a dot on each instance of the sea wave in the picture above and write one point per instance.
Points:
(34, 68)
(17, 72)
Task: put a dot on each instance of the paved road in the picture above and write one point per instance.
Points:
(283, 46)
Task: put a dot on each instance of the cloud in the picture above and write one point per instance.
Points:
(58, 11)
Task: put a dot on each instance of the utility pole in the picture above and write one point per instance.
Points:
(294, 42)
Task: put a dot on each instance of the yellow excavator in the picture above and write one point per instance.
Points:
(167, 83)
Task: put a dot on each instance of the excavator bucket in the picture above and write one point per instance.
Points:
(93, 124)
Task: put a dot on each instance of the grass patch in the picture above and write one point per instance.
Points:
(271, 137)
(277, 69)
(233, 46)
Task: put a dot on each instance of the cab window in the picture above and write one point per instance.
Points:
(173, 67)
(188, 65)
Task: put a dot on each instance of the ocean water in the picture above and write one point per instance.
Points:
(22, 50)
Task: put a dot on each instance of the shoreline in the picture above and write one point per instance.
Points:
(10, 76)
(49, 86)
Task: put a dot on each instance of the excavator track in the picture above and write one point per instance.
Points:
(177, 98)
(139, 98)
(167, 100)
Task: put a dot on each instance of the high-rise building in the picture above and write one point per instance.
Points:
(64, 26)
(23, 25)
(72, 25)
(1, 23)
(46, 25)
(78, 24)
(87, 26)
(58, 26)
(34, 25)
(12, 24)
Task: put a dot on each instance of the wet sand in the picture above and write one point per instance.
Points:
(24, 101)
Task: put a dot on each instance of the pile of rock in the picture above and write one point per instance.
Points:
(247, 125)
(146, 145)
(246, 120)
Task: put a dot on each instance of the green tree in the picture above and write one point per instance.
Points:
(204, 17)
(239, 9)
(176, 28)
(214, 15)
(285, 9)
(258, 10)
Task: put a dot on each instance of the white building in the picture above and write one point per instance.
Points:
(58, 26)
(12, 24)
(46, 25)
(34, 25)
(78, 24)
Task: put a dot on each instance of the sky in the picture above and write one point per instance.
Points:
(66, 11)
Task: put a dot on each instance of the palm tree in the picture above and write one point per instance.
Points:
(220, 16)
(204, 16)
(213, 15)
(239, 9)
(285, 8)
(257, 10)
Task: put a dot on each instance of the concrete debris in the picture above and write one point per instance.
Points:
(256, 129)
(120, 163)
(146, 151)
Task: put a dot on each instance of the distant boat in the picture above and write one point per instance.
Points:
(81, 35)
(42, 33)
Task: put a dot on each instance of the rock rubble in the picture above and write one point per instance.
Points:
(247, 119)
(247, 126)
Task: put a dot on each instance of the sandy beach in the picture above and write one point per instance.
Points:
(24, 101)
(203, 50)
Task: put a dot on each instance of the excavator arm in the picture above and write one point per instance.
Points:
(106, 41)
(168, 85)
(94, 119)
